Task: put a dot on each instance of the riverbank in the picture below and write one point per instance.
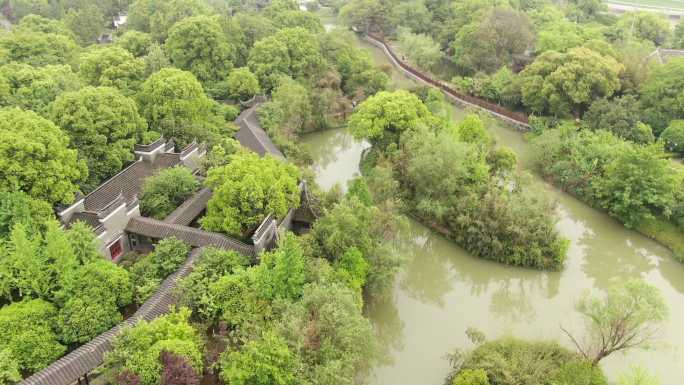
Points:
(658, 229)
(444, 290)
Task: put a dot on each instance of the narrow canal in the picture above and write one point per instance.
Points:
(444, 290)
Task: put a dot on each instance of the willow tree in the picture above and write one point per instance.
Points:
(630, 316)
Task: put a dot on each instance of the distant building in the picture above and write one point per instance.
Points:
(119, 20)
(108, 208)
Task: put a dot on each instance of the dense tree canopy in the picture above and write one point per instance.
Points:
(247, 190)
(488, 44)
(136, 42)
(34, 88)
(561, 83)
(662, 95)
(37, 48)
(103, 125)
(293, 52)
(621, 116)
(35, 157)
(242, 84)
(138, 349)
(112, 66)
(156, 17)
(87, 23)
(198, 45)
(173, 103)
(383, 117)
(644, 25)
(35, 321)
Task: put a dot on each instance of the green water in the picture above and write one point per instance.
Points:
(444, 290)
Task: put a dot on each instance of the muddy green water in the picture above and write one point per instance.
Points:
(444, 290)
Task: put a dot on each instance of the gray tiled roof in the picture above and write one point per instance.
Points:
(128, 182)
(190, 209)
(252, 136)
(156, 229)
(91, 219)
(68, 369)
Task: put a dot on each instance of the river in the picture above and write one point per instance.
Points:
(444, 290)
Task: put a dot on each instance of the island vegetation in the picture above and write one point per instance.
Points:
(79, 91)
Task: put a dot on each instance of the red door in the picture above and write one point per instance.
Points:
(115, 249)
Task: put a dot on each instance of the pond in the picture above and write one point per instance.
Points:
(444, 290)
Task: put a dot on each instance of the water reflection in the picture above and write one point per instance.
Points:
(444, 290)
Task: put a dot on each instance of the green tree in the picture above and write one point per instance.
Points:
(662, 95)
(562, 35)
(383, 117)
(621, 116)
(16, 207)
(367, 15)
(267, 361)
(103, 125)
(164, 192)
(20, 8)
(138, 349)
(673, 137)
(360, 77)
(644, 25)
(294, 52)
(156, 59)
(414, 15)
(421, 49)
(83, 318)
(336, 342)
(112, 66)
(628, 317)
(27, 330)
(149, 271)
(242, 84)
(297, 18)
(35, 158)
(33, 88)
(638, 185)
(282, 272)
(156, 17)
(289, 112)
(678, 36)
(37, 49)
(36, 23)
(86, 22)
(560, 83)
(198, 45)
(248, 189)
(136, 42)
(213, 264)
(174, 103)
(491, 43)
